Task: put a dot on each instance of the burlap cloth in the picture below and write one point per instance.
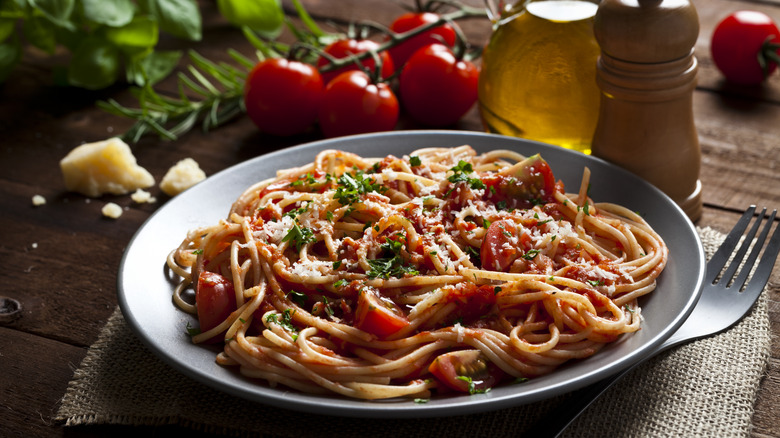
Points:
(706, 388)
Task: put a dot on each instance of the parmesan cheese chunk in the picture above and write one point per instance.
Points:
(183, 175)
(112, 210)
(38, 200)
(141, 196)
(104, 167)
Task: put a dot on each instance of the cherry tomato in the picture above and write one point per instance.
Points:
(436, 88)
(377, 314)
(344, 48)
(466, 371)
(353, 104)
(444, 34)
(215, 299)
(740, 40)
(530, 181)
(499, 246)
(282, 97)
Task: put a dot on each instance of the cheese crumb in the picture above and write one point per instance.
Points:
(38, 200)
(111, 210)
(140, 196)
(183, 175)
(94, 169)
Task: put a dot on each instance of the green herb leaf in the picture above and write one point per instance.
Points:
(530, 254)
(299, 236)
(297, 297)
(41, 33)
(265, 17)
(94, 65)
(180, 18)
(140, 33)
(114, 13)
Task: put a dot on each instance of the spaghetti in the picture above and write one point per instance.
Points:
(441, 270)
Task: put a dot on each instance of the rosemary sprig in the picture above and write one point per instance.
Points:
(211, 94)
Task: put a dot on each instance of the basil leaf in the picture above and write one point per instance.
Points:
(152, 68)
(263, 16)
(180, 18)
(94, 64)
(114, 13)
(40, 32)
(57, 11)
(141, 32)
(10, 53)
(6, 28)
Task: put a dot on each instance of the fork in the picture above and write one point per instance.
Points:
(724, 301)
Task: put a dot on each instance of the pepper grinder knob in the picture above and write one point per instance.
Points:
(647, 74)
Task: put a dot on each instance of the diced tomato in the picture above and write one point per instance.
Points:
(377, 314)
(474, 302)
(466, 371)
(499, 246)
(529, 182)
(215, 299)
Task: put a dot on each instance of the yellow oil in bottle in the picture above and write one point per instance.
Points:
(538, 78)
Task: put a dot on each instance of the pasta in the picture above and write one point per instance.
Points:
(390, 277)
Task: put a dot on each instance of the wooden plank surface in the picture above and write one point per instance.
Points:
(61, 259)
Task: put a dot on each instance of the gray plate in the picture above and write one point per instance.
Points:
(145, 286)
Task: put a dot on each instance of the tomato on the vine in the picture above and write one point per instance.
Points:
(342, 49)
(444, 34)
(437, 88)
(282, 96)
(354, 104)
(746, 47)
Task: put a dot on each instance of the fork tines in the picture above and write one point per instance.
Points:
(764, 269)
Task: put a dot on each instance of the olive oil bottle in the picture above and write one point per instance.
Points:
(538, 78)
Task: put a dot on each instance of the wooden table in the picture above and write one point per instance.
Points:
(60, 260)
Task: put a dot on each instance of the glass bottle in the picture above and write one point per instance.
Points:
(538, 78)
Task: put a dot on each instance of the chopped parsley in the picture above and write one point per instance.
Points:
(531, 254)
(350, 187)
(393, 264)
(296, 211)
(596, 283)
(299, 236)
(461, 173)
(304, 179)
(285, 321)
(472, 386)
(415, 161)
(297, 297)
(192, 331)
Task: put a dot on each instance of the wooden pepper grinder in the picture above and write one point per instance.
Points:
(647, 74)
